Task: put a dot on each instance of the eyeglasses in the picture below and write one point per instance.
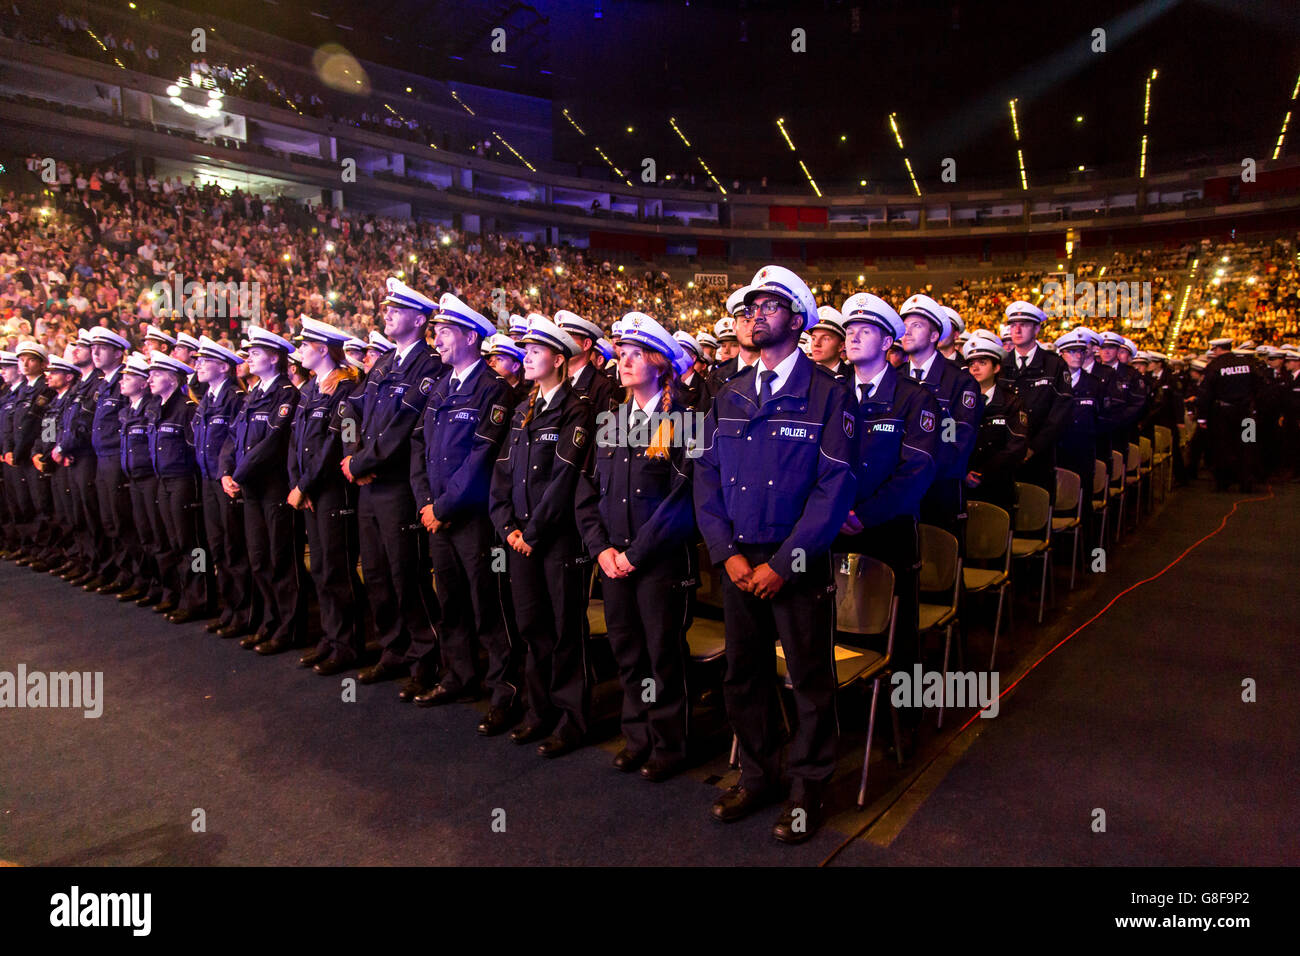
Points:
(768, 307)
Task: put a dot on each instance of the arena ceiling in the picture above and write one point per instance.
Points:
(726, 71)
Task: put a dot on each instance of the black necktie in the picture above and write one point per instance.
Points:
(864, 392)
(916, 373)
(765, 386)
(1024, 360)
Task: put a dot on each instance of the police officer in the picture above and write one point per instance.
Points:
(960, 411)
(507, 359)
(223, 517)
(1291, 428)
(1036, 376)
(708, 347)
(897, 431)
(1167, 410)
(137, 468)
(453, 451)
(637, 521)
(1129, 394)
(30, 410)
(326, 500)
(532, 495)
(951, 347)
(772, 488)
(692, 385)
(354, 350)
(117, 571)
(385, 413)
(76, 458)
(156, 340)
(827, 342)
(60, 376)
(182, 565)
(1076, 449)
(737, 326)
(186, 350)
(377, 345)
(254, 465)
(9, 481)
(1227, 397)
(584, 377)
(1004, 427)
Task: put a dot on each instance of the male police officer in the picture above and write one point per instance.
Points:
(1225, 405)
(1037, 378)
(585, 378)
(118, 570)
(961, 406)
(401, 593)
(453, 450)
(897, 430)
(772, 488)
(1129, 392)
(739, 325)
(827, 338)
(1076, 448)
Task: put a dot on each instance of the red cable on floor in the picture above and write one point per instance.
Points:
(1132, 587)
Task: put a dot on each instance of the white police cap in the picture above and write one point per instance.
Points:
(1220, 343)
(641, 329)
(1130, 345)
(1077, 338)
(354, 344)
(137, 363)
(158, 335)
(1111, 339)
(576, 325)
(212, 349)
(501, 344)
(185, 340)
(379, 343)
(451, 309)
(264, 338)
(518, 324)
(984, 344)
(31, 347)
(780, 281)
(84, 337)
(725, 329)
(956, 321)
(706, 339)
(314, 330)
(168, 363)
(921, 304)
(865, 307)
(102, 336)
(736, 301)
(688, 343)
(1025, 312)
(606, 348)
(58, 364)
(805, 343)
(402, 295)
(542, 331)
(8, 358)
(829, 319)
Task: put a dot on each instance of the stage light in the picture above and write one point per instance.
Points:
(780, 124)
(861, 279)
(446, 240)
(1078, 119)
(412, 257)
(408, 89)
(532, 290)
(329, 247)
(843, 138)
(691, 284)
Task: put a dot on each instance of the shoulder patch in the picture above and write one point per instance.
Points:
(579, 437)
(1024, 420)
(927, 419)
(497, 415)
(343, 408)
(968, 399)
(426, 385)
(849, 424)
(284, 410)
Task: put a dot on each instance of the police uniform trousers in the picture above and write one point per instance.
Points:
(944, 506)
(550, 598)
(223, 523)
(145, 520)
(403, 605)
(6, 510)
(15, 500)
(116, 529)
(331, 528)
(1232, 458)
(38, 503)
(802, 617)
(1039, 470)
(85, 509)
(273, 559)
(646, 614)
(183, 583)
(467, 589)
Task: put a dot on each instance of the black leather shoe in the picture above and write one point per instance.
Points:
(166, 607)
(65, 567)
(134, 594)
(557, 746)
(497, 721)
(184, 616)
(438, 695)
(628, 760)
(738, 803)
(411, 689)
(112, 587)
(527, 733)
(39, 566)
(314, 656)
(333, 665)
(379, 672)
(277, 646)
(232, 630)
(25, 560)
(213, 625)
(798, 823)
(81, 579)
(147, 601)
(659, 769)
(252, 640)
(95, 583)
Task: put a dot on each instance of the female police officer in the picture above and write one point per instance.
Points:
(172, 450)
(254, 464)
(327, 500)
(532, 496)
(138, 469)
(638, 522)
(1003, 430)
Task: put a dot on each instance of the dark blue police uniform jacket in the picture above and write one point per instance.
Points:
(898, 437)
